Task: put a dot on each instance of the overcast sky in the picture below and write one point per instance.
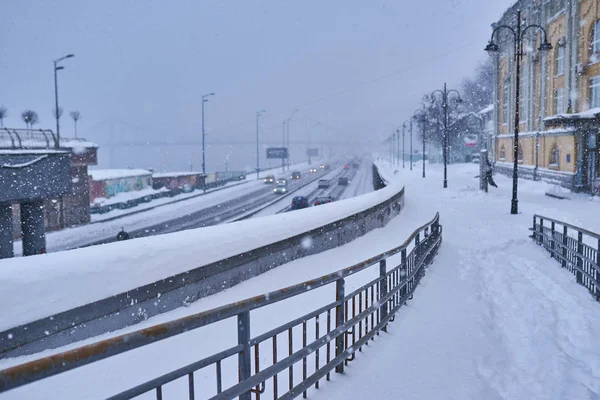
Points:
(140, 68)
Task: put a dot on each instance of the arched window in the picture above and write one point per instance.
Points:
(520, 153)
(554, 156)
(502, 155)
(595, 38)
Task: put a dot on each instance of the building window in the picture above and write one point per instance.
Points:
(524, 98)
(559, 102)
(596, 38)
(505, 100)
(502, 153)
(560, 60)
(595, 92)
(554, 156)
(520, 153)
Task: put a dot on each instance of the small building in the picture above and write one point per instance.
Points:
(177, 180)
(106, 183)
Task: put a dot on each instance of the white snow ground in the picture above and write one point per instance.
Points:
(494, 317)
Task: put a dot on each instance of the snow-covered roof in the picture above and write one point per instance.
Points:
(76, 143)
(105, 174)
(32, 151)
(486, 109)
(173, 174)
(592, 113)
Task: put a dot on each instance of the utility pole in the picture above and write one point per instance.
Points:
(411, 149)
(403, 152)
(445, 93)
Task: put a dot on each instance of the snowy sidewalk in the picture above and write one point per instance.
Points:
(495, 317)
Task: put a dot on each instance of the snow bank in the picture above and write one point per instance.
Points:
(125, 196)
(60, 281)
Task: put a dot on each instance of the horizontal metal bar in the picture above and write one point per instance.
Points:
(178, 373)
(585, 231)
(267, 335)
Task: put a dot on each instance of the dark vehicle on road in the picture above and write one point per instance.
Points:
(322, 166)
(313, 170)
(296, 175)
(299, 202)
(269, 179)
(282, 180)
(323, 183)
(343, 181)
(323, 200)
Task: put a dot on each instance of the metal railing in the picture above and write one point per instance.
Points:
(326, 338)
(575, 248)
(27, 139)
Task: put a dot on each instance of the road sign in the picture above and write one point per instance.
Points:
(277, 152)
(312, 152)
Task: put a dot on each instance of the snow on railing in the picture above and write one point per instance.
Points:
(326, 339)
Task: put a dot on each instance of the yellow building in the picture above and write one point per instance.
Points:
(559, 111)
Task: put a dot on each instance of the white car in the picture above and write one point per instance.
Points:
(323, 183)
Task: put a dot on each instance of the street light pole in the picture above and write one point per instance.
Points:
(204, 100)
(411, 149)
(403, 152)
(445, 95)
(492, 48)
(286, 129)
(258, 113)
(56, 68)
(422, 133)
(398, 146)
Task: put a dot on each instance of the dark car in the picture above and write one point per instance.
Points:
(295, 175)
(299, 202)
(269, 179)
(323, 200)
(343, 181)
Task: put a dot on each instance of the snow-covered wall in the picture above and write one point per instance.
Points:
(122, 283)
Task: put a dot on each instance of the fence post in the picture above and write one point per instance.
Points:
(579, 274)
(417, 248)
(564, 249)
(339, 320)
(598, 272)
(244, 357)
(403, 275)
(383, 290)
(534, 230)
(542, 238)
(552, 242)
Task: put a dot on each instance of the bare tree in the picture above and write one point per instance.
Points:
(57, 113)
(30, 118)
(3, 114)
(76, 116)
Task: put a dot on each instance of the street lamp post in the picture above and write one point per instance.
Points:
(258, 113)
(445, 95)
(286, 123)
(398, 146)
(204, 100)
(56, 113)
(403, 152)
(392, 153)
(411, 149)
(492, 48)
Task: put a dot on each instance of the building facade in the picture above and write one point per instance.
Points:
(559, 93)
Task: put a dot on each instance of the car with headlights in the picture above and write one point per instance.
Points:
(313, 170)
(343, 181)
(296, 175)
(299, 202)
(322, 166)
(282, 180)
(269, 179)
(322, 200)
(323, 183)
(280, 188)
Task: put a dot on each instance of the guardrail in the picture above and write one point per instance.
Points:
(338, 329)
(575, 248)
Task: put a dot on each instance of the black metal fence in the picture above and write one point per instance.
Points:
(575, 248)
(284, 362)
